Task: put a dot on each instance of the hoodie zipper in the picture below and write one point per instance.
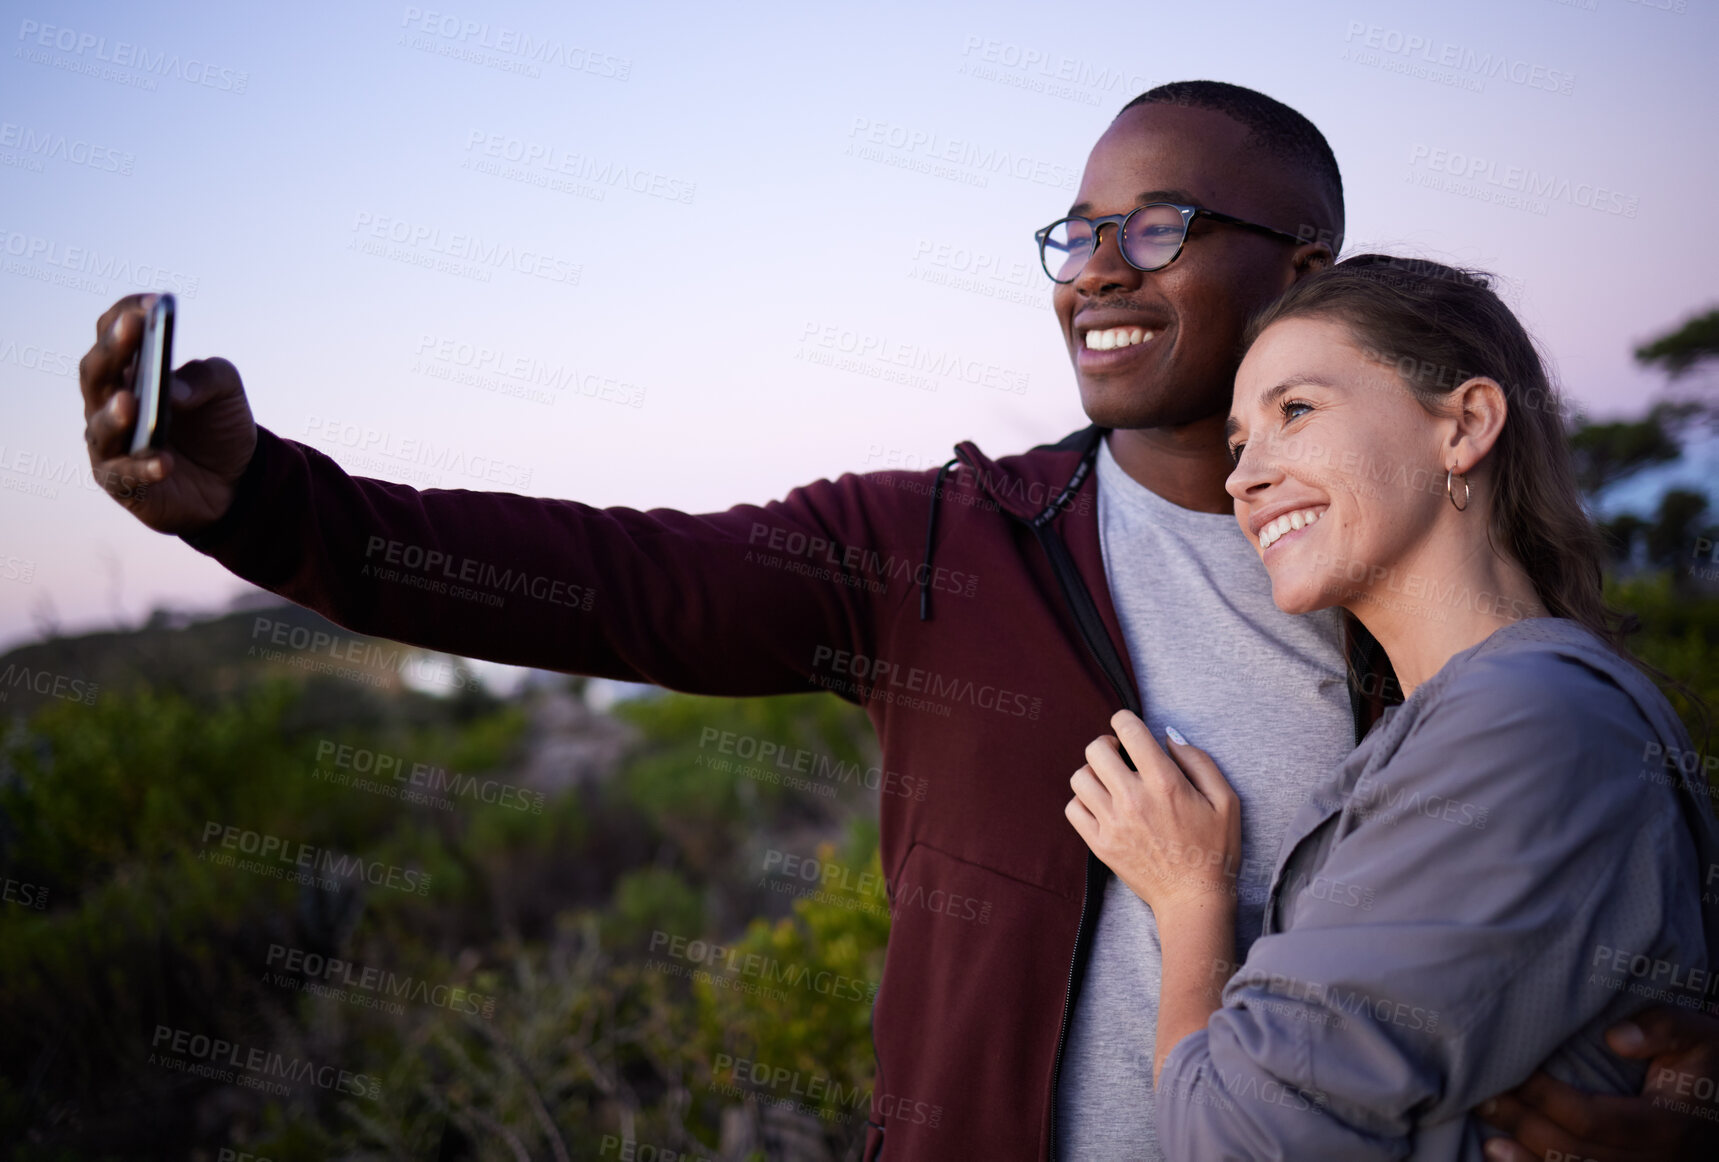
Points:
(1092, 629)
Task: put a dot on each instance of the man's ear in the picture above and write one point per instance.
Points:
(1311, 258)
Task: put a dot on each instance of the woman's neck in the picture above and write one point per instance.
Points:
(1424, 614)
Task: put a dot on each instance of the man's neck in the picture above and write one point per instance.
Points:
(1187, 466)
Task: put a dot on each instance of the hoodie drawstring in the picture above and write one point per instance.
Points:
(930, 541)
(1063, 500)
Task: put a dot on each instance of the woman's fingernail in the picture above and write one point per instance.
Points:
(1628, 1036)
(1175, 736)
(1496, 1150)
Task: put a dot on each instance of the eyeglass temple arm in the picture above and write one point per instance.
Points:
(1234, 221)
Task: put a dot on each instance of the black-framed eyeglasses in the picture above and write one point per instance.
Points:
(1150, 237)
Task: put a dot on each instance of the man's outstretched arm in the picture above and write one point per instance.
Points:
(706, 603)
(1675, 1117)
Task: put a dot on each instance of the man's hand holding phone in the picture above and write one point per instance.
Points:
(186, 482)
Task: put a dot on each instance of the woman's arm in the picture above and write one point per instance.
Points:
(1171, 831)
(1199, 952)
(1506, 845)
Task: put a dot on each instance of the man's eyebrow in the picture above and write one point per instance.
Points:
(1272, 395)
(1182, 196)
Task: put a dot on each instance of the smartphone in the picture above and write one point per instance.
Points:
(153, 375)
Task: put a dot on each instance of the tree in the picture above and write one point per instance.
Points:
(1679, 351)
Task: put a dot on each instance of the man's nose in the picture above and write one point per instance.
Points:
(1106, 269)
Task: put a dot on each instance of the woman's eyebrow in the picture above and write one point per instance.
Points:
(1273, 394)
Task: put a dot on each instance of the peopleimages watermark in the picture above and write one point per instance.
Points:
(786, 759)
(371, 661)
(314, 974)
(280, 858)
(876, 678)
(454, 252)
(85, 268)
(732, 962)
(632, 1150)
(35, 357)
(417, 451)
(1429, 597)
(24, 895)
(1322, 1003)
(503, 48)
(1046, 72)
(857, 565)
(956, 159)
(39, 474)
(880, 357)
(1521, 187)
(255, 1068)
(1442, 61)
(977, 272)
(90, 54)
(418, 783)
(40, 145)
(1373, 797)
(746, 1078)
(65, 687)
(1654, 977)
(439, 571)
(563, 171)
(826, 881)
(831, 882)
(496, 369)
(1659, 759)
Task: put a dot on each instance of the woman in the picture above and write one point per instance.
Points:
(1503, 867)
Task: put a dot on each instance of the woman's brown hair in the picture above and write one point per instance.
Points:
(1438, 327)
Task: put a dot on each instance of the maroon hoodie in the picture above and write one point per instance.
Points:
(964, 608)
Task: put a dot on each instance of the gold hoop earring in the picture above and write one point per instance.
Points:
(1463, 507)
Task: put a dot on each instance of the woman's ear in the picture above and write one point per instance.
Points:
(1478, 411)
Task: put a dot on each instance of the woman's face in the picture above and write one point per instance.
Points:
(1333, 441)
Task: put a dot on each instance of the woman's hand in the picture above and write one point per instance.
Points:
(1170, 830)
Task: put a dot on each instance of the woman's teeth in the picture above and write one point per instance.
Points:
(1117, 337)
(1300, 518)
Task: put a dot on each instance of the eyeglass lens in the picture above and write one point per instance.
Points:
(1150, 239)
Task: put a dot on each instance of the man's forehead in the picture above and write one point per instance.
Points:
(1164, 153)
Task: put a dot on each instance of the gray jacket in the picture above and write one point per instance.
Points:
(1511, 861)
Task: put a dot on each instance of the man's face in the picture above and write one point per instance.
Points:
(1193, 310)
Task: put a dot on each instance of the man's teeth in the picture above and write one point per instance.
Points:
(1117, 337)
(1300, 518)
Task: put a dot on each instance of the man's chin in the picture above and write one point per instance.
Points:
(1111, 403)
(1119, 404)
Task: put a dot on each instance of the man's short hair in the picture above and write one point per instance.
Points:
(1273, 129)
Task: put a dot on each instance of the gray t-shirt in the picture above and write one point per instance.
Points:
(1265, 694)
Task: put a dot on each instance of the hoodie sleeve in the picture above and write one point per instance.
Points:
(760, 599)
(1447, 945)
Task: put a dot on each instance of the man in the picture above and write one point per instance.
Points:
(990, 616)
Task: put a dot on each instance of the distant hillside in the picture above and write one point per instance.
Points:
(348, 677)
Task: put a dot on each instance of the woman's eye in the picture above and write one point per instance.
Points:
(1294, 403)
(1235, 453)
